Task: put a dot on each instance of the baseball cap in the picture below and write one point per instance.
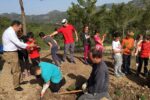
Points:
(64, 21)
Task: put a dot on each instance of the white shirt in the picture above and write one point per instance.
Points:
(116, 46)
(11, 41)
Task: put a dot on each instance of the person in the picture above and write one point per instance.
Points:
(53, 46)
(137, 42)
(23, 56)
(34, 54)
(144, 55)
(85, 37)
(67, 32)
(117, 54)
(52, 76)
(99, 41)
(11, 43)
(97, 84)
(128, 46)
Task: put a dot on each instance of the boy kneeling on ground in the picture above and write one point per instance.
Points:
(52, 76)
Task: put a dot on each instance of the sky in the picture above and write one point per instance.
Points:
(36, 7)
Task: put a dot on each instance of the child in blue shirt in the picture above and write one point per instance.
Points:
(52, 76)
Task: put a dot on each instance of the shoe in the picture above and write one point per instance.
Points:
(63, 60)
(146, 74)
(18, 88)
(73, 62)
(122, 74)
(117, 75)
(86, 62)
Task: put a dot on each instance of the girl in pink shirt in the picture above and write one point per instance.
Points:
(99, 41)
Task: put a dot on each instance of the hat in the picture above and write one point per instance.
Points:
(64, 21)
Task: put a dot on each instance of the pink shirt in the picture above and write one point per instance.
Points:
(98, 46)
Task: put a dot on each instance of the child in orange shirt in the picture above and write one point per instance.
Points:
(127, 45)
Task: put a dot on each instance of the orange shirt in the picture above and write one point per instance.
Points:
(127, 45)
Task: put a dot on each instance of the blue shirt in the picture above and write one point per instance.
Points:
(50, 72)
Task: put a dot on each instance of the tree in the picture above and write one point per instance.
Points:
(23, 17)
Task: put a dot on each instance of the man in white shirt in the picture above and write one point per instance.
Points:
(11, 44)
(117, 50)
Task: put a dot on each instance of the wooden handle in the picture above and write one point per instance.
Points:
(70, 92)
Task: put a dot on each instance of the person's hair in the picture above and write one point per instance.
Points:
(41, 34)
(16, 22)
(138, 36)
(84, 27)
(96, 53)
(116, 34)
(30, 35)
(96, 31)
(146, 37)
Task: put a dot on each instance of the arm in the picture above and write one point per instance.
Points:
(13, 37)
(103, 38)
(50, 45)
(117, 51)
(76, 35)
(55, 41)
(54, 33)
(45, 86)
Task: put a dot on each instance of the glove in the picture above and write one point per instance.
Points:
(84, 86)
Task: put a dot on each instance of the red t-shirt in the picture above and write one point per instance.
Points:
(33, 52)
(145, 50)
(67, 32)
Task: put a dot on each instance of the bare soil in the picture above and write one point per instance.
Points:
(123, 88)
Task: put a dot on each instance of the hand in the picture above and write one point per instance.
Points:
(42, 94)
(32, 45)
(104, 35)
(84, 86)
(135, 54)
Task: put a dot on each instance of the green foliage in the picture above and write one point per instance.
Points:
(4, 23)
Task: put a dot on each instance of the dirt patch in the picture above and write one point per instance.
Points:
(124, 88)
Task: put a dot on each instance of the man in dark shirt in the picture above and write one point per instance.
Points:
(97, 84)
(54, 47)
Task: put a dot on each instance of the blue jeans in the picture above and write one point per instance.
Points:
(126, 63)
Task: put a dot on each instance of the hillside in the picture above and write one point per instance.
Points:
(51, 17)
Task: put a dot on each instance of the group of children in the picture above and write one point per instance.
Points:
(139, 48)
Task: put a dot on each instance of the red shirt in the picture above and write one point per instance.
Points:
(145, 50)
(67, 32)
(33, 52)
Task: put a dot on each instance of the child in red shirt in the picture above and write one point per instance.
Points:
(144, 55)
(99, 41)
(34, 54)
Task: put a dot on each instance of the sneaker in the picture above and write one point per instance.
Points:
(86, 62)
(146, 74)
(122, 74)
(117, 75)
(18, 88)
(63, 60)
(73, 62)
